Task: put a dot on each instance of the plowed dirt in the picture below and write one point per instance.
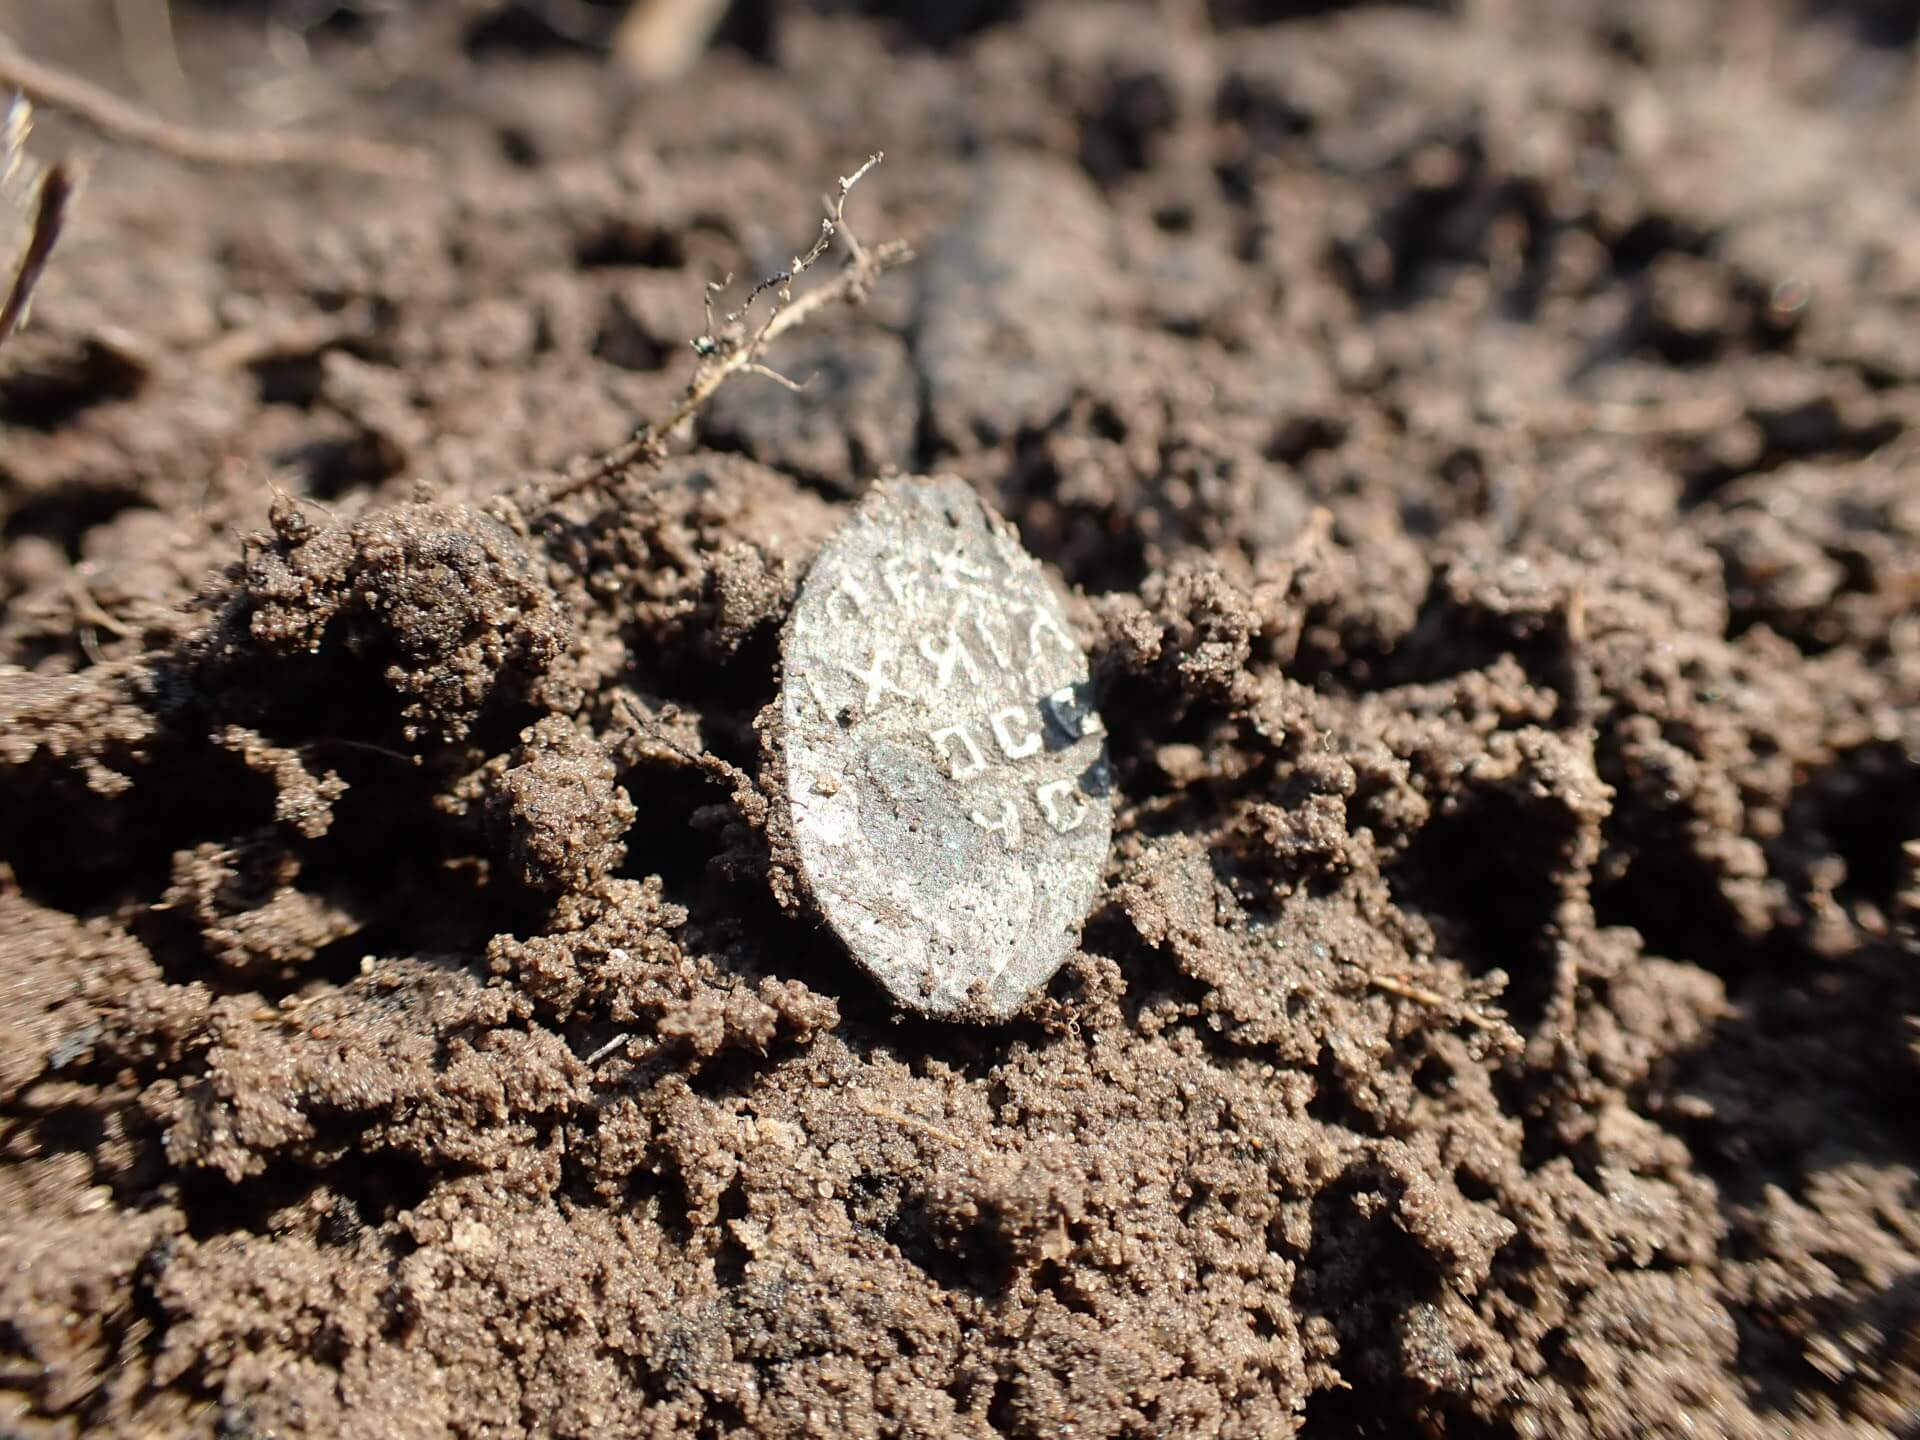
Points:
(1485, 450)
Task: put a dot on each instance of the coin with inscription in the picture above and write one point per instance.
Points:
(947, 783)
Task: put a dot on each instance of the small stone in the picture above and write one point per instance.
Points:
(76, 1045)
(946, 775)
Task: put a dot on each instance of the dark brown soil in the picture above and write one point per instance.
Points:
(1486, 446)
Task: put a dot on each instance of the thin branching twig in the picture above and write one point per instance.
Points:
(117, 119)
(732, 346)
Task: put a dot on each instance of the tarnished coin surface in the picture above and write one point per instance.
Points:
(946, 771)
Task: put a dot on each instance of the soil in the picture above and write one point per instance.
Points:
(1481, 442)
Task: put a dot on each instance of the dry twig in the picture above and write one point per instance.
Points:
(1694, 416)
(914, 1122)
(733, 347)
(607, 1049)
(116, 119)
(53, 190)
(1433, 999)
(659, 39)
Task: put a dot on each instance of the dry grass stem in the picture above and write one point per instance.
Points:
(659, 39)
(53, 190)
(117, 119)
(914, 1122)
(49, 214)
(607, 1049)
(1693, 416)
(1433, 999)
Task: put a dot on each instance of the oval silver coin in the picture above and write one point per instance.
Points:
(947, 785)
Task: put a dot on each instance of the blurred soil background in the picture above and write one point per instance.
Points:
(1483, 442)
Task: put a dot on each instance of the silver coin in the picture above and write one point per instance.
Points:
(948, 790)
